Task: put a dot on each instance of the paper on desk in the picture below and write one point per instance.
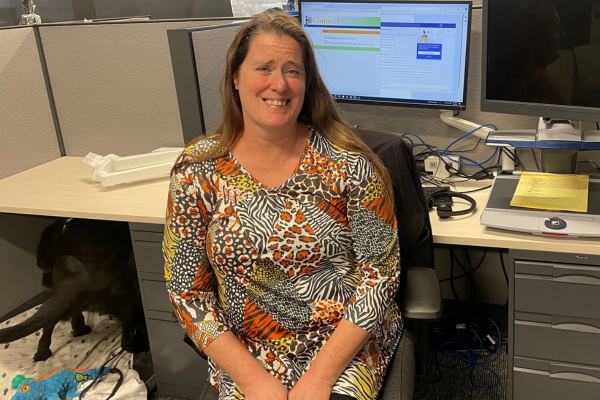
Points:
(552, 192)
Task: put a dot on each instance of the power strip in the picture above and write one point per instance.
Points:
(440, 171)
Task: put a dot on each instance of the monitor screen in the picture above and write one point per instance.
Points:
(405, 53)
(543, 53)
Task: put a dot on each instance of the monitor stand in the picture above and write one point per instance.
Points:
(559, 141)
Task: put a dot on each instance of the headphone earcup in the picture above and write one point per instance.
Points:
(444, 211)
(430, 203)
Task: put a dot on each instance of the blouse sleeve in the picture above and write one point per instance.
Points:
(188, 272)
(375, 244)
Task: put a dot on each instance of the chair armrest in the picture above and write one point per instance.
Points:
(422, 295)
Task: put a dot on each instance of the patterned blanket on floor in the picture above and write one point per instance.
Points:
(84, 352)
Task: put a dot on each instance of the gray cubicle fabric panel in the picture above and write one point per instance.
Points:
(113, 86)
(163, 9)
(27, 133)
(210, 52)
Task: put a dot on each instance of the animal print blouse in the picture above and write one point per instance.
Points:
(280, 267)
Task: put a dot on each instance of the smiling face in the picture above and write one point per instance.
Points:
(271, 83)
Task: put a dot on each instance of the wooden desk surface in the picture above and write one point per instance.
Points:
(65, 188)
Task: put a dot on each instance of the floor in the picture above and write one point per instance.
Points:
(452, 382)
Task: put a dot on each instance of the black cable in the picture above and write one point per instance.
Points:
(598, 126)
(474, 270)
(591, 162)
(511, 155)
(518, 159)
(476, 190)
(468, 151)
(505, 304)
(535, 159)
(472, 286)
(452, 277)
(503, 267)
(100, 376)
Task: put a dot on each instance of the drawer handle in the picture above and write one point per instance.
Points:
(581, 275)
(576, 327)
(574, 376)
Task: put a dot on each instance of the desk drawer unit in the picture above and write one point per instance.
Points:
(554, 330)
(156, 296)
(543, 380)
(179, 370)
(561, 338)
(147, 247)
(556, 289)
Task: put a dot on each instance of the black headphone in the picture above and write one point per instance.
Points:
(445, 210)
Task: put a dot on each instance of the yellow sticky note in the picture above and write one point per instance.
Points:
(552, 192)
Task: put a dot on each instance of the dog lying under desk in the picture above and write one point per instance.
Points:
(88, 266)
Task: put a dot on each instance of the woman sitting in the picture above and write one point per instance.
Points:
(281, 248)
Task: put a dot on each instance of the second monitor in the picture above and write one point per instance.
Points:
(403, 53)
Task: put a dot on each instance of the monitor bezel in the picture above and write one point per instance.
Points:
(461, 107)
(569, 112)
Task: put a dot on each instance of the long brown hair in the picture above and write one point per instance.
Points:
(318, 110)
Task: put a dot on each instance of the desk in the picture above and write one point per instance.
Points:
(64, 188)
(466, 230)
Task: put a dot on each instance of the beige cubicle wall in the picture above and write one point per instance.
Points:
(28, 136)
(113, 85)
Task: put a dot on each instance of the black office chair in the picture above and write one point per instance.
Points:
(420, 296)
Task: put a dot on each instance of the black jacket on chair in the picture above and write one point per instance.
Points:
(414, 226)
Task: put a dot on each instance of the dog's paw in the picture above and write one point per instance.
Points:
(42, 355)
(84, 330)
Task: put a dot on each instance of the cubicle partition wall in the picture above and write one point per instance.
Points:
(113, 85)
(26, 125)
(27, 139)
(198, 57)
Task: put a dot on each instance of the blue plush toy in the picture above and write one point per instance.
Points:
(59, 384)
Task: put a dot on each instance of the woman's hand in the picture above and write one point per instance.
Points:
(310, 388)
(266, 387)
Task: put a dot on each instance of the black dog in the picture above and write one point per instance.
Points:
(89, 266)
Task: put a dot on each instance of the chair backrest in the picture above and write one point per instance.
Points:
(414, 227)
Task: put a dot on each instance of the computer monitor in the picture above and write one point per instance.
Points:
(542, 58)
(392, 52)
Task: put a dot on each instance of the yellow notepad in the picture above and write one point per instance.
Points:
(552, 192)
